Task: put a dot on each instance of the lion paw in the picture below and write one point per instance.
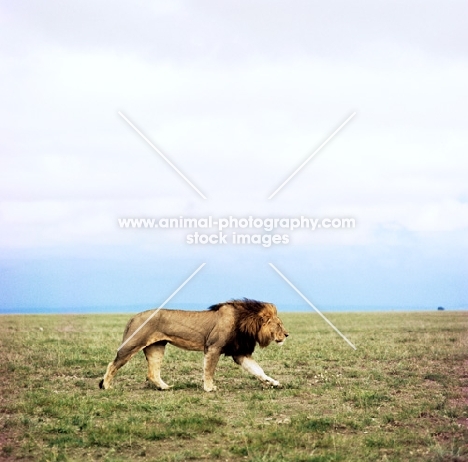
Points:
(165, 386)
(272, 383)
(209, 389)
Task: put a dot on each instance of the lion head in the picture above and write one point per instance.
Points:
(259, 321)
(272, 329)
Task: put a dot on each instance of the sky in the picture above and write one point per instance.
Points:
(237, 95)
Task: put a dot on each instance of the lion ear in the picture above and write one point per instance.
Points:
(266, 320)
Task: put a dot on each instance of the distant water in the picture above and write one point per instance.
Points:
(285, 308)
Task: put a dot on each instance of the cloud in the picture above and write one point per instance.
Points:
(229, 32)
(237, 97)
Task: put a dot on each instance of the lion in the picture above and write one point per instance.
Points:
(232, 328)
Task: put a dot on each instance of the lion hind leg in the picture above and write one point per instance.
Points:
(251, 366)
(154, 355)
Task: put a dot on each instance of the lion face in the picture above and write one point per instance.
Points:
(272, 330)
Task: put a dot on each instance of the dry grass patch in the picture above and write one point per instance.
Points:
(401, 396)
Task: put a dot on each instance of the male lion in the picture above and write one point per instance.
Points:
(232, 328)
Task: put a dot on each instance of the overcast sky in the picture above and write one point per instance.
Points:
(237, 95)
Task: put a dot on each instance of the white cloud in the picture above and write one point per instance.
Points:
(236, 124)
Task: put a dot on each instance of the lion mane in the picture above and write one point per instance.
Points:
(232, 328)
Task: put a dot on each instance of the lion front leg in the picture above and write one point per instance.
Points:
(251, 366)
(209, 365)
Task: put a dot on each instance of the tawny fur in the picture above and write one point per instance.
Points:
(232, 328)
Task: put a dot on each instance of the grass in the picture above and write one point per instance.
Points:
(403, 395)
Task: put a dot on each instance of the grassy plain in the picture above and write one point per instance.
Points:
(402, 396)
